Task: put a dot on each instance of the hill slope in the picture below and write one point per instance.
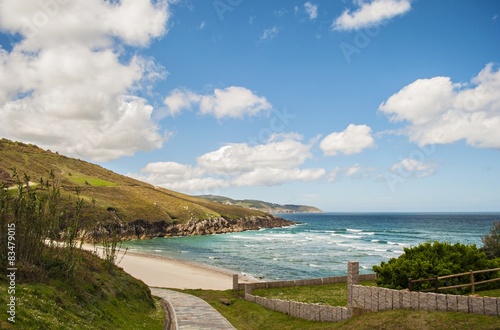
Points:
(143, 209)
(263, 206)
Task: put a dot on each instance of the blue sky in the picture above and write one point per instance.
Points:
(381, 105)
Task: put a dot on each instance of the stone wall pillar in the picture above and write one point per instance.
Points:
(248, 288)
(235, 282)
(352, 279)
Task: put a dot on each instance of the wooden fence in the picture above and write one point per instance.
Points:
(472, 282)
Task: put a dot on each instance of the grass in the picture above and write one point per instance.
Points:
(91, 181)
(329, 294)
(96, 296)
(246, 315)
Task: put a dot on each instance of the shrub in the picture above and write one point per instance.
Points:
(434, 259)
(491, 242)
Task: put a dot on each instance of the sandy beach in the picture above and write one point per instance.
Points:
(167, 272)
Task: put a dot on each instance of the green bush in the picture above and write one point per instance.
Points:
(434, 259)
(491, 241)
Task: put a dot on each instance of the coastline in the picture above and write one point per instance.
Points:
(168, 272)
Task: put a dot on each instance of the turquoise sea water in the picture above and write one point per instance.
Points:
(323, 243)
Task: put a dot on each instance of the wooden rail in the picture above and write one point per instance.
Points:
(436, 279)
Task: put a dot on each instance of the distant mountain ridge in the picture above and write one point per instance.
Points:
(263, 206)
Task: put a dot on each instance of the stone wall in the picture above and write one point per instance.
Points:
(368, 298)
(311, 312)
(309, 282)
(380, 299)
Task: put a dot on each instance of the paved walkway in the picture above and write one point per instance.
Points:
(192, 312)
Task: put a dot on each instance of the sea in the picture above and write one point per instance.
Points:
(321, 244)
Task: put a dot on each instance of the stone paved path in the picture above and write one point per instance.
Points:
(192, 312)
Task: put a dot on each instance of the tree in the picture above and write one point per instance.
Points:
(491, 241)
(434, 259)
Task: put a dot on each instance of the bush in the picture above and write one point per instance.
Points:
(434, 259)
(491, 242)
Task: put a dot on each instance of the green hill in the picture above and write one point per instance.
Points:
(110, 196)
(262, 206)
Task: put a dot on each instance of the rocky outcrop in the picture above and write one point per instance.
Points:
(142, 229)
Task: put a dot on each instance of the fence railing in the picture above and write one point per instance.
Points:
(436, 280)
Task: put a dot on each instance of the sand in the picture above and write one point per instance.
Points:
(167, 272)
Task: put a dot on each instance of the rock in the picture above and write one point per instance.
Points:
(142, 229)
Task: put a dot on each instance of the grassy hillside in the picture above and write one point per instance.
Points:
(263, 206)
(97, 295)
(104, 191)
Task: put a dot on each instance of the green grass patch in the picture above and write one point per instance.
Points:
(329, 294)
(91, 181)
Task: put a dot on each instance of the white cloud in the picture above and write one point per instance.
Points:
(274, 163)
(269, 34)
(281, 151)
(413, 168)
(64, 85)
(311, 10)
(179, 100)
(354, 139)
(371, 13)
(231, 102)
(442, 112)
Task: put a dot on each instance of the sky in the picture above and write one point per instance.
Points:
(348, 105)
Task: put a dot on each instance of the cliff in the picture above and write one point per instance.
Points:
(142, 229)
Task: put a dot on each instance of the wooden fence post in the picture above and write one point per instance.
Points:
(472, 281)
(436, 284)
(410, 284)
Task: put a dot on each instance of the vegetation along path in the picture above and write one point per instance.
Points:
(192, 312)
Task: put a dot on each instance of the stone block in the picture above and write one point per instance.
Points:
(381, 299)
(249, 297)
(357, 297)
(313, 312)
(388, 299)
(428, 300)
(367, 297)
(344, 314)
(490, 306)
(414, 301)
(451, 303)
(282, 306)
(294, 309)
(477, 304)
(270, 304)
(326, 313)
(260, 300)
(441, 302)
(463, 304)
(406, 299)
(397, 300)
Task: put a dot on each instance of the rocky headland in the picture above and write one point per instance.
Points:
(142, 229)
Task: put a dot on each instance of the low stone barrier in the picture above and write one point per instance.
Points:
(290, 283)
(368, 298)
(379, 299)
(311, 312)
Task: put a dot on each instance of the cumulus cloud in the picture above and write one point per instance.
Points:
(281, 151)
(231, 102)
(440, 112)
(311, 10)
(371, 13)
(272, 163)
(354, 139)
(65, 85)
